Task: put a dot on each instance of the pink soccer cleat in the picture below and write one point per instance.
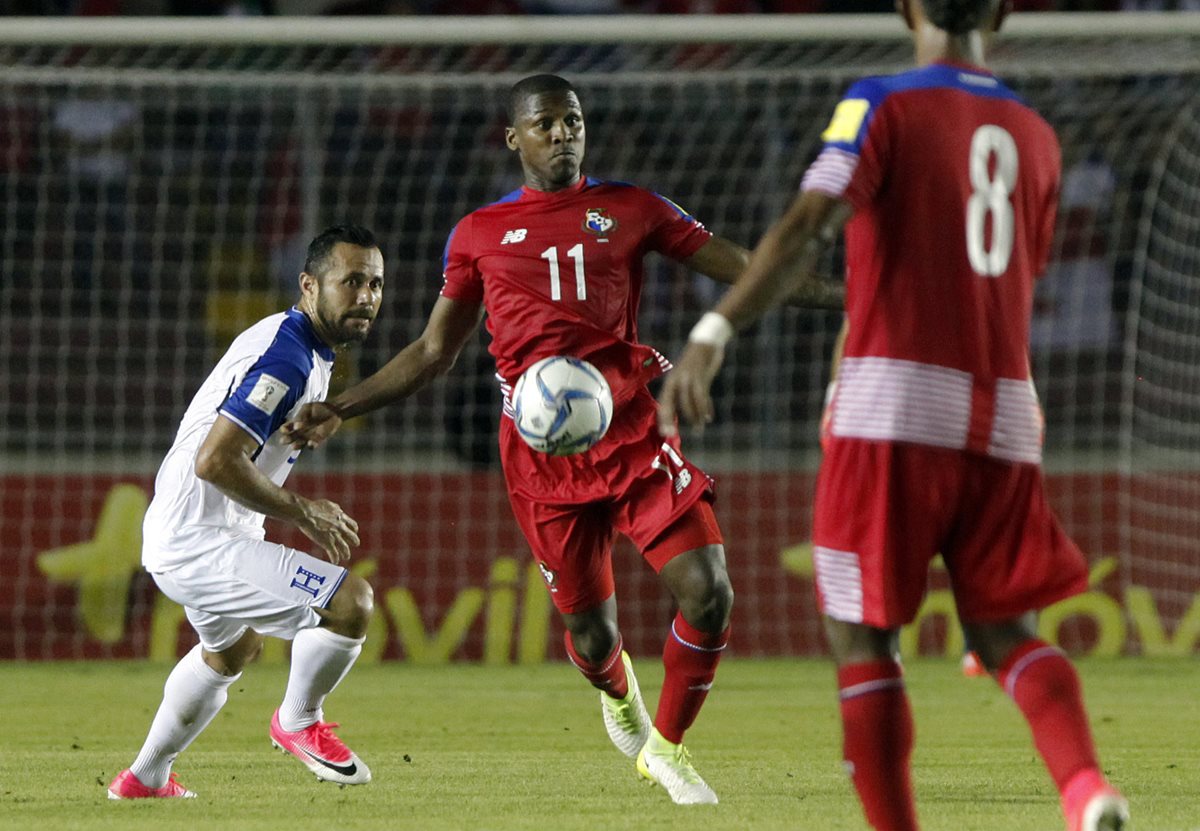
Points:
(1091, 804)
(128, 786)
(321, 752)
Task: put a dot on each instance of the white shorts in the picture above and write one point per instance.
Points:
(251, 584)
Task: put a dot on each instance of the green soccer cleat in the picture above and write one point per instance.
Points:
(670, 765)
(626, 718)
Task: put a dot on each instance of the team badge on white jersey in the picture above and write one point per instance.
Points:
(597, 221)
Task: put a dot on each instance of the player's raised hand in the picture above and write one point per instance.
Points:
(686, 391)
(313, 424)
(325, 523)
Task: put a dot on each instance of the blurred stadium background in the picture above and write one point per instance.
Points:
(159, 180)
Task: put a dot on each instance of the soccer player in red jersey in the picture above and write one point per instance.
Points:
(947, 184)
(557, 265)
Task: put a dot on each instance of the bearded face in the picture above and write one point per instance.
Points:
(344, 300)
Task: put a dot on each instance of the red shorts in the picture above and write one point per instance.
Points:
(633, 482)
(884, 510)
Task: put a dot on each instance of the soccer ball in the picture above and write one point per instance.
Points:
(563, 406)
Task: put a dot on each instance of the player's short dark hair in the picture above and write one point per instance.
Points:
(534, 85)
(958, 16)
(315, 262)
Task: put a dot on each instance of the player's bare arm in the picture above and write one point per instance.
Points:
(726, 261)
(226, 460)
(720, 259)
(839, 347)
(780, 267)
(782, 263)
(433, 354)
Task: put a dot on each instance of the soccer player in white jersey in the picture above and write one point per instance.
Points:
(947, 183)
(203, 533)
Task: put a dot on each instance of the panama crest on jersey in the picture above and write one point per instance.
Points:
(597, 221)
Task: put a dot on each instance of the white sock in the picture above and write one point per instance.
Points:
(193, 694)
(320, 660)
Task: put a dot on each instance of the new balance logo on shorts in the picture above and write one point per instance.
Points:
(308, 579)
(515, 235)
(684, 476)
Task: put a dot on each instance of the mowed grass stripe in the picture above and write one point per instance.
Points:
(469, 747)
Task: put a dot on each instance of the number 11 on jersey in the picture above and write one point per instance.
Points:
(576, 254)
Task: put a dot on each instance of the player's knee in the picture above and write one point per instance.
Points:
(995, 642)
(352, 606)
(254, 650)
(362, 607)
(708, 607)
(234, 659)
(723, 599)
(713, 615)
(593, 638)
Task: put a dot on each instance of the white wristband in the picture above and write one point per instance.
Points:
(712, 329)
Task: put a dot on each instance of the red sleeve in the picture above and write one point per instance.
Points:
(671, 230)
(868, 175)
(1049, 214)
(855, 155)
(461, 279)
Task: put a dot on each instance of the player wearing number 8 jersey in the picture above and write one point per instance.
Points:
(947, 185)
(558, 266)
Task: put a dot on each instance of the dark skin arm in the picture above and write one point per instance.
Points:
(726, 261)
(450, 325)
(780, 266)
(226, 460)
(720, 259)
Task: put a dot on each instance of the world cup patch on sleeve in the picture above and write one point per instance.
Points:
(267, 393)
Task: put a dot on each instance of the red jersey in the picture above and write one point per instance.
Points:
(954, 185)
(561, 274)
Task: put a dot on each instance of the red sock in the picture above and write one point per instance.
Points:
(877, 741)
(690, 658)
(608, 676)
(1045, 686)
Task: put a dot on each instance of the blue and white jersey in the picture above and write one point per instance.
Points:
(268, 372)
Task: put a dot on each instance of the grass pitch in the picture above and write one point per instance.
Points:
(466, 747)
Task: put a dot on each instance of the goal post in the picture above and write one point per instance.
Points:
(160, 178)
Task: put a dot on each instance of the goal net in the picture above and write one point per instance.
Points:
(159, 181)
(1160, 436)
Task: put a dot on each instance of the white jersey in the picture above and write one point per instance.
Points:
(269, 371)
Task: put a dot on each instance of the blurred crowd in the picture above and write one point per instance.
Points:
(237, 8)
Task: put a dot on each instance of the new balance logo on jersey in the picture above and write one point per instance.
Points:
(515, 235)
